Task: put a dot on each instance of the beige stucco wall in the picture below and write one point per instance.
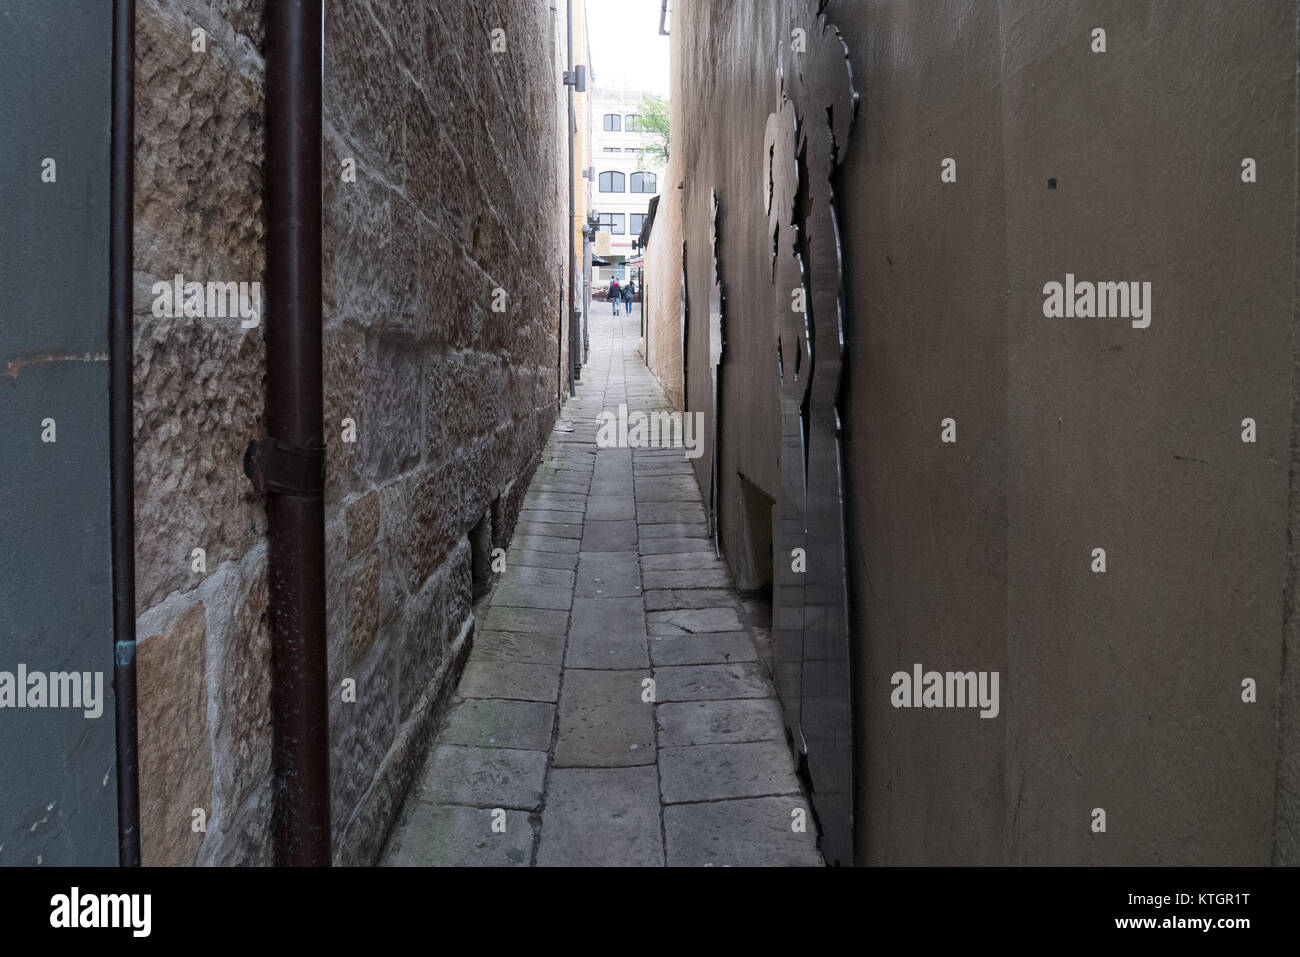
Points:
(1120, 690)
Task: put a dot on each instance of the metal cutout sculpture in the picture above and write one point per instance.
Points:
(717, 348)
(806, 139)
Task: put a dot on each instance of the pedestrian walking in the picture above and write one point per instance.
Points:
(629, 294)
(615, 293)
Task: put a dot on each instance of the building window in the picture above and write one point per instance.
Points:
(611, 149)
(634, 149)
(633, 124)
(613, 182)
(638, 220)
(645, 183)
(611, 223)
(613, 123)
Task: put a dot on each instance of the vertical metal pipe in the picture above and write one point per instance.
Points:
(294, 419)
(575, 353)
(121, 388)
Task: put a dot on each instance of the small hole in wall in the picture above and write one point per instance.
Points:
(480, 551)
(1051, 183)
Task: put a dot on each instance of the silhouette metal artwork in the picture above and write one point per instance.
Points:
(806, 139)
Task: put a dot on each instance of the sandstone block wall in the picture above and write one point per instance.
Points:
(437, 406)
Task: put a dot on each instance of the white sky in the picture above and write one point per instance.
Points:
(626, 48)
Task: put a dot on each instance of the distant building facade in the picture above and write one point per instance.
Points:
(625, 176)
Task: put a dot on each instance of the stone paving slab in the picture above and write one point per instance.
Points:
(701, 557)
(611, 508)
(607, 633)
(661, 513)
(535, 575)
(560, 501)
(609, 536)
(603, 721)
(546, 543)
(675, 530)
(689, 578)
(448, 836)
(525, 648)
(502, 618)
(676, 599)
(614, 487)
(602, 817)
(483, 777)
(506, 679)
(533, 596)
(535, 559)
(547, 516)
(718, 722)
(750, 832)
(692, 621)
(561, 488)
(611, 566)
(497, 723)
(703, 649)
(669, 546)
(711, 682)
(608, 575)
(709, 772)
(549, 529)
(677, 489)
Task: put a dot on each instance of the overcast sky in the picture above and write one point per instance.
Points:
(626, 48)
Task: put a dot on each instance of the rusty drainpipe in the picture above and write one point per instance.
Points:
(121, 393)
(575, 332)
(288, 464)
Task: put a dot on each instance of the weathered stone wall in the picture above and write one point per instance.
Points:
(204, 653)
(456, 204)
(437, 405)
(663, 265)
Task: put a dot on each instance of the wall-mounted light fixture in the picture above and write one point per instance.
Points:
(577, 78)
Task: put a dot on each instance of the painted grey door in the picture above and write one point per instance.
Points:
(57, 780)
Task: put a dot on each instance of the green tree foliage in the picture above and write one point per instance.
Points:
(654, 121)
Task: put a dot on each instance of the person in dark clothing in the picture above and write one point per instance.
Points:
(629, 294)
(615, 293)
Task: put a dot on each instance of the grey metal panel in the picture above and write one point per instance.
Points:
(806, 138)
(57, 785)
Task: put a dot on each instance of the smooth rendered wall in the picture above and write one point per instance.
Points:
(1120, 690)
(58, 780)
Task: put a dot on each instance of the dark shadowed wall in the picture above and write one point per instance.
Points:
(1120, 690)
(58, 781)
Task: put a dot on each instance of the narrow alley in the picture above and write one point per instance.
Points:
(611, 580)
(338, 522)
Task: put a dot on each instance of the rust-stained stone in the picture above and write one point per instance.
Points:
(175, 756)
(198, 403)
(198, 162)
(363, 606)
(343, 354)
(363, 523)
(244, 696)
